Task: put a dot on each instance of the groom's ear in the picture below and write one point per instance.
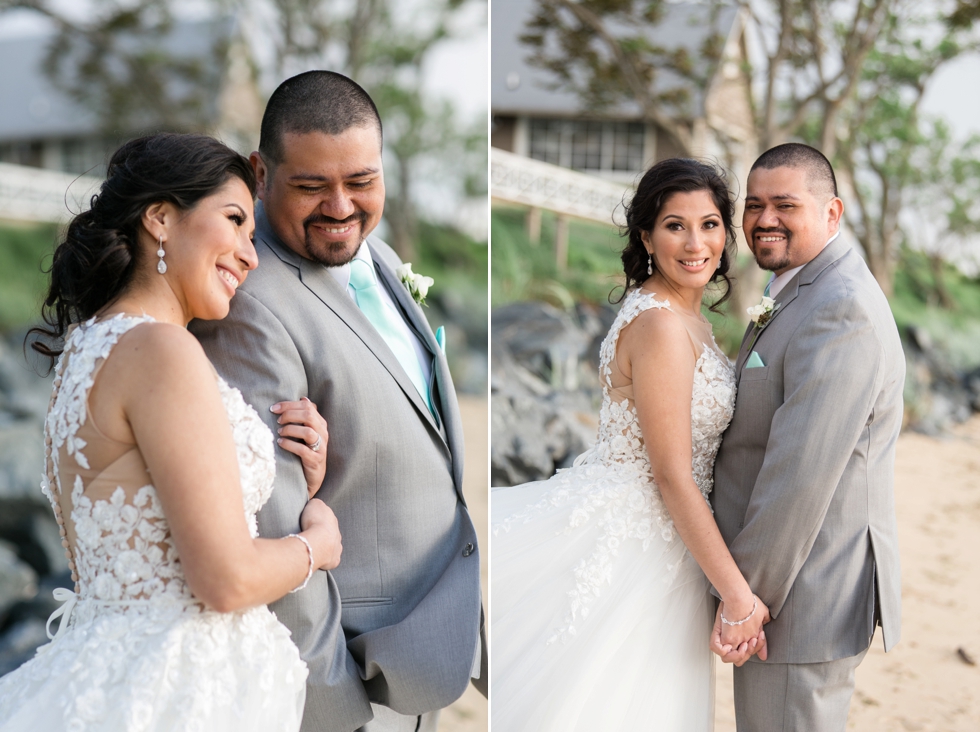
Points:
(262, 173)
(835, 210)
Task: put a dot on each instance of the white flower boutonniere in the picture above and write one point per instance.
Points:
(418, 285)
(762, 313)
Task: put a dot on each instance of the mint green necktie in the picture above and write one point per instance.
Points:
(369, 301)
(768, 285)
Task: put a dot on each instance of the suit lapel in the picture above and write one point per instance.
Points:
(318, 280)
(446, 402)
(806, 276)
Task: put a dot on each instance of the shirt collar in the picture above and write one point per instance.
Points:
(777, 283)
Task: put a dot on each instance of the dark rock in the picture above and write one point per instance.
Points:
(18, 581)
(544, 389)
(19, 644)
(937, 396)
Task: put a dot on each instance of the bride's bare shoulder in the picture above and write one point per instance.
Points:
(163, 352)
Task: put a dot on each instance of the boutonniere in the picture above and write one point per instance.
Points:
(418, 285)
(762, 313)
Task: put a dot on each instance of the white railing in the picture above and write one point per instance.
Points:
(34, 194)
(517, 179)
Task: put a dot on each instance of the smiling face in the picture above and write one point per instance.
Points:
(209, 250)
(787, 222)
(327, 194)
(687, 240)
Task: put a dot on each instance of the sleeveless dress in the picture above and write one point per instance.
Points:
(135, 651)
(600, 618)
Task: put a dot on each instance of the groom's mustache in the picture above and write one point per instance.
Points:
(764, 232)
(316, 218)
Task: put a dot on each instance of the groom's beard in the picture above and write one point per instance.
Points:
(771, 257)
(337, 253)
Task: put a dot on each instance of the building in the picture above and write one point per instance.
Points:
(42, 126)
(553, 126)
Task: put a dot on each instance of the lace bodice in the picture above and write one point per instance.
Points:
(115, 533)
(619, 438)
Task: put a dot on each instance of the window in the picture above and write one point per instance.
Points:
(588, 145)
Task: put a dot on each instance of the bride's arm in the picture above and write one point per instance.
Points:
(165, 390)
(658, 352)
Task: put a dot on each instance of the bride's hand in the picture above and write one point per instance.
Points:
(737, 643)
(321, 522)
(303, 432)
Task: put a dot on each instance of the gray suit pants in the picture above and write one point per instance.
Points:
(386, 720)
(794, 697)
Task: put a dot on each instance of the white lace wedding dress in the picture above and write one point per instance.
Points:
(600, 618)
(139, 653)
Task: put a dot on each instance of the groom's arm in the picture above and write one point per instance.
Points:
(253, 351)
(832, 375)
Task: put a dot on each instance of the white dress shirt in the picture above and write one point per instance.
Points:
(342, 275)
(777, 283)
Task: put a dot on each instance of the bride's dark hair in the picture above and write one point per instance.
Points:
(658, 184)
(99, 255)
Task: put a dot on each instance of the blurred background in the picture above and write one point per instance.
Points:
(587, 94)
(82, 76)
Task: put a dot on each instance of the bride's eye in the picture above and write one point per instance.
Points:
(238, 219)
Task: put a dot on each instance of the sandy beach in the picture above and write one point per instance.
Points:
(469, 714)
(923, 685)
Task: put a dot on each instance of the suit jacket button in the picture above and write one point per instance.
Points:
(468, 549)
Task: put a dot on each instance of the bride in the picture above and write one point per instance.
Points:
(601, 613)
(156, 468)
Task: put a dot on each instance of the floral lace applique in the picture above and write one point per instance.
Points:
(611, 485)
(123, 547)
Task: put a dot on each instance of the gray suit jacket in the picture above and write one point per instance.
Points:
(805, 474)
(398, 622)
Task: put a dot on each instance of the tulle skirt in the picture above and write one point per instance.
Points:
(150, 667)
(599, 616)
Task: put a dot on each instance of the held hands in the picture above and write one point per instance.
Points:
(319, 520)
(303, 432)
(737, 643)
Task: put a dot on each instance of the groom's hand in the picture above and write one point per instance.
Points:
(741, 653)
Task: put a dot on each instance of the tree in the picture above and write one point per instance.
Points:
(119, 63)
(847, 76)
(606, 52)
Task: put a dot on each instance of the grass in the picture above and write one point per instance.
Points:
(24, 250)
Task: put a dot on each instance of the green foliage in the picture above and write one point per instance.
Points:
(521, 270)
(922, 283)
(23, 252)
(448, 255)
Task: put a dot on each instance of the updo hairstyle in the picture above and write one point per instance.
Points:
(100, 254)
(658, 184)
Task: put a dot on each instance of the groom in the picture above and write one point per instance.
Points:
(804, 477)
(394, 633)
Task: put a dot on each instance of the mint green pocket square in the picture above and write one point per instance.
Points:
(441, 338)
(754, 362)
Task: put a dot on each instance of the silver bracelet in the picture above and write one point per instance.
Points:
(309, 550)
(755, 606)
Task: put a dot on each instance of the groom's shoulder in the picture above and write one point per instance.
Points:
(273, 269)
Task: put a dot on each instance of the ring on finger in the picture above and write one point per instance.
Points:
(315, 447)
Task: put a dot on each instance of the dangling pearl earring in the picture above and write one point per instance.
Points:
(161, 265)
(649, 264)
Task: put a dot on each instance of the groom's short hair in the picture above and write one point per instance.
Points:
(314, 101)
(819, 171)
